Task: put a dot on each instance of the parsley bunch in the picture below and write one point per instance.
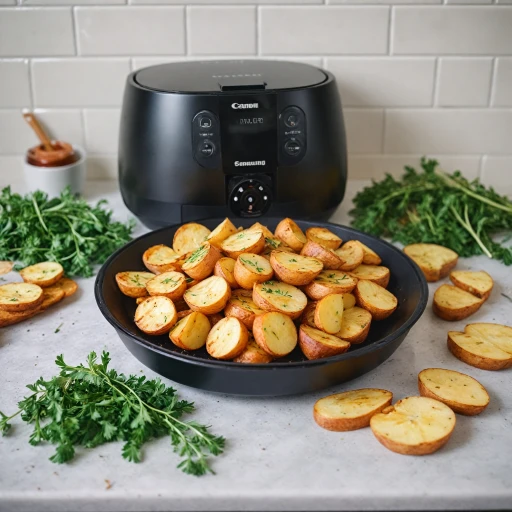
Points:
(91, 405)
(435, 207)
(64, 229)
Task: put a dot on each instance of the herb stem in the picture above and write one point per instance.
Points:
(467, 225)
(36, 208)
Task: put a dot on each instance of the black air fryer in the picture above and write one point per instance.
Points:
(231, 138)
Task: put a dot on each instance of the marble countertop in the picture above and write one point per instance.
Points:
(276, 457)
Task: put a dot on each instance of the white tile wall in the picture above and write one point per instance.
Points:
(416, 76)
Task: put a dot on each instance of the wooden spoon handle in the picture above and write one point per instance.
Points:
(38, 129)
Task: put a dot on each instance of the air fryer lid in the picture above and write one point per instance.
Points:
(229, 75)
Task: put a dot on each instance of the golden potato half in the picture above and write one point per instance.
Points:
(323, 236)
(168, 284)
(241, 306)
(253, 354)
(201, 262)
(477, 283)
(161, 258)
(374, 298)
(295, 269)
(317, 344)
(43, 274)
(290, 233)
(227, 339)
(209, 296)
(191, 331)
(377, 274)
(221, 232)
(156, 315)
(352, 255)
(330, 281)
(133, 284)
(329, 313)
(281, 297)
(189, 237)
(251, 269)
(328, 257)
(225, 268)
(244, 241)
(452, 303)
(355, 325)
(435, 261)
(16, 297)
(275, 333)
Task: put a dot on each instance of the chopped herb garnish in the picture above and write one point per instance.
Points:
(58, 328)
(197, 254)
(252, 264)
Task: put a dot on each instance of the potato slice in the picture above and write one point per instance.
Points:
(370, 257)
(241, 306)
(209, 296)
(375, 299)
(355, 325)
(349, 301)
(250, 269)
(191, 331)
(51, 295)
(308, 315)
(415, 425)
(221, 232)
(189, 237)
(452, 303)
(275, 333)
(477, 283)
(133, 284)
(498, 335)
(215, 318)
(257, 226)
(43, 274)
(461, 393)
(20, 296)
(156, 315)
(168, 284)
(330, 281)
(290, 233)
(200, 264)
(352, 255)
(8, 318)
(350, 410)
(225, 268)
(281, 297)
(244, 241)
(328, 257)
(161, 258)
(274, 244)
(181, 314)
(295, 269)
(253, 354)
(6, 267)
(435, 261)
(329, 313)
(316, 344)
(324, 237)
(67, 285)
(375, 273)
(227, 339)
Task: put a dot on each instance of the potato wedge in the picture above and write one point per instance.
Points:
(352, 255)
(477, 283)
(8, 318)
(161, 258)
(221, 232)
(215, 318)
(51, 295)
(435, 261)
(257, 226)
(415, 425)
(225, 268)
(250, 269)
(241, 306)
(328, 257)
(274, 244)
(350, 410)
(294, 268)
(227, 339)
(181, 314)
(329, 313)
(330, 281)
(275, 333)
(209, 296)
(374, 298)
(461, 393)
(168, 284)
(355, 325)
(253, 354)
(281, 297)
(349, 301)
(324, 237)
(133, 284)
(67, 285)
(189, 237)
(200, 264)
(138, 300)
(316, 344)
(375, 273)
(290, 233)
(452, 303)
(370, 257)
(15, 297)
(6, 267)
(156, 315)
(308, 315)
(244, 241)
(43, 274)
(190, 332)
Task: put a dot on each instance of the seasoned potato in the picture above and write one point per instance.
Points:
(161, 258)
(355, 325)
(288, 232)
(370, 257)
(16, 297)
(330, 281)
(241, 306)
(350, 410)
(156, 315)
(43, 274)
(274, 244)
(375, 273)
(215, 318)
(316, 344)
(328, 257)
(6, 267)
(225, 268)
(477, 283)
(68, 286)
(227, 339)
(168, 284)
(181, 314)
(324, 237)
(352, 255)
(244, 241)
(191, 331)
(133, 284)
(499, 335)
(275, 333)
(461, 393)
(189, 237)
(51, 295)
(201, 262)
(250, 269)
(15, 317)
(295, 269)
(209, 296)
(253, 354)
(260, 227)
(281, 297)
(349, 301)
(435, 261)
(308, 315)
(329, 313)
(376, 299)
(452, 303)
(221, 232)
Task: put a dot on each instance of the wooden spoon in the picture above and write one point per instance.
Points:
(38, 129)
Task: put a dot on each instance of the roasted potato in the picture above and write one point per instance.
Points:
(241, 306)
(355, 325)
(350, 410)
(349, 301)
(275, 333)
(330, 281)
(329, 313)
(133, 284)
(189, 237)
(244, 241)
(290, 233)
(435, 261)
(295, 269)
(274, 244)
(43, 274)
(257, 226)
(168, 284)
(477, 283)
(281, 297)
(250, 269)
(68, 286)
(156, 315)
(160, 258)
(191, 331)
(14, 317)
(324, 237)
(253, 354)
(15, 297)
(209, 296)
(316, 344)
(221, 232)
(227, 339)
(328, 257)
(352, 255)
(225, 268)
(201, 262)
(51, 295)
(308, 315)
(375, 299)
(375, 273)
(370, 257)
(452, 303)
(6, 267)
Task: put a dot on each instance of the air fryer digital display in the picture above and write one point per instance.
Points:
(248, 126)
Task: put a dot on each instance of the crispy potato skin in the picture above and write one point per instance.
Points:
(324, 237)
(253, 354)
(453, 314)
(290, 275)
(468, 288)
(224, 268)
(432, 272)
(314, 349)
(328, 257)
(247, 277)
(288, 232)
(15, 317)
(204, 266)
(365, 302)
(69, 286)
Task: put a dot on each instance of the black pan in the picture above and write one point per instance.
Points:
(291, 375)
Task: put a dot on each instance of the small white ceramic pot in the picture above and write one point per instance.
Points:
(53, 180)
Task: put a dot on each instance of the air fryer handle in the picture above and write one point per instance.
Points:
(241, 83)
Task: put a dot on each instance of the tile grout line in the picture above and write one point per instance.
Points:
(435, 92)
(31, 84)
(492, 87)
(75, 32)
(391, 28)
(383, 142)
(186, 28)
